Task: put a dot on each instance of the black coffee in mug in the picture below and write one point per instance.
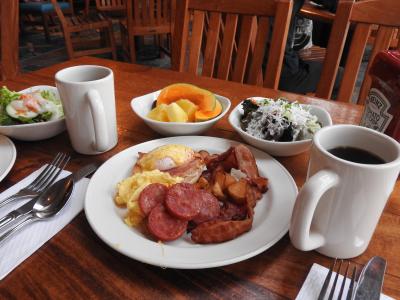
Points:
(356, 155)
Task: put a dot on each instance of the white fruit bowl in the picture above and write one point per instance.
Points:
(142, 106)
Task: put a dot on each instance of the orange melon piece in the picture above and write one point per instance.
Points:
(205, 100)
(201, 116)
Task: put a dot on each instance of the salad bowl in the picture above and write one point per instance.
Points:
(36, 131)
(277, 148)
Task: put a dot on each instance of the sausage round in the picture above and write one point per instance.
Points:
(152, 195)
(182, 202)
(163, 226)
(209, 207)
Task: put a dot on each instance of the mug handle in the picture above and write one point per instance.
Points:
(99, 120)
(307, 200)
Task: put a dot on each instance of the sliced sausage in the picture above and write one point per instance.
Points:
(182, 202)
(152, 195)
(163, 226)
(209, 207)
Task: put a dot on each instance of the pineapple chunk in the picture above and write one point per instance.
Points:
(175, 113)
(189, 107)
(159, 113)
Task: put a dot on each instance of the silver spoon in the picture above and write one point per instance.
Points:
(51, 201)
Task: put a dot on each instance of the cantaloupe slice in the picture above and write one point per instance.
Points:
(205, 100)
(189, 107)
(201, 116)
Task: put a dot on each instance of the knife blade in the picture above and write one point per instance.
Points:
(369, 285)
(27, 207)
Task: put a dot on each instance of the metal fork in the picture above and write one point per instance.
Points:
(325, 286)
(44, 179)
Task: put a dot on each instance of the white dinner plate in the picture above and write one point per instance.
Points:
(271, 221)
(8, 155)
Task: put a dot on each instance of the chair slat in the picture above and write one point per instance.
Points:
(151, 12)
(227, 46)
(137, 12)
(158, 12)
(335, 49)
(212, 44)
(259, 49)
(195, 41)
(243, 49)
(382, 42)
(275, 54)
(356, 51)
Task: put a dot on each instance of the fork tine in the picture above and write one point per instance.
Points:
(343, 281)
(39, 186)
(326, 282)
(351, 287)
(45, 171)
(54, 174)
(335, 281)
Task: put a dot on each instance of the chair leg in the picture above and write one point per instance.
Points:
(131, 46)
(46, 26)
(68, 44)
(112, 42)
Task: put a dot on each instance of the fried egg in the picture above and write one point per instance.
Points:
(164, 158)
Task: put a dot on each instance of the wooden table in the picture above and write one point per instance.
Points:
(77, 264)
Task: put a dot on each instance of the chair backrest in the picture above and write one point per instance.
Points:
(9, 33)
(150, 16)
(110, 5)
(364, 15)
(228, 39)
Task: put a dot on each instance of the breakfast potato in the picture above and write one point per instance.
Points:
(237, 191)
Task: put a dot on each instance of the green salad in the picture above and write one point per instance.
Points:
(278, 120)
(32, 107)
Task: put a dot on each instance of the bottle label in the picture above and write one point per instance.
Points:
(376, 114)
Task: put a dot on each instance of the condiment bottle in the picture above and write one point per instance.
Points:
(382, 108)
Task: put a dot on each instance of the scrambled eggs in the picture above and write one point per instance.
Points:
(129, 189)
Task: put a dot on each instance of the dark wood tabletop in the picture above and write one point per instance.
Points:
(76, 264)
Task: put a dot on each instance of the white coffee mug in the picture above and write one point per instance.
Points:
(88, 99)
(339, 206)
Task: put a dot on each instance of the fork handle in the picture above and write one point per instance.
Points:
(17, 227)
(15, 197)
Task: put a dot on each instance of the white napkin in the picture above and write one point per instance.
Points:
(18, 247)
(314, 281)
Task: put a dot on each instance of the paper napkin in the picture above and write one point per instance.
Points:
(22, 244)
(314, 281)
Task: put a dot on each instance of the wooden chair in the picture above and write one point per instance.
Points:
(228, 39)
(74, 24)
(364, 15)
(44, 10)
(145, 17)
(9, 63)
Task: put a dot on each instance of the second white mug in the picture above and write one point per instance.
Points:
(351, 174)
(87, 95)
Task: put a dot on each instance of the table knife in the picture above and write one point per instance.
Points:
(27, 207)
(370, 283)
